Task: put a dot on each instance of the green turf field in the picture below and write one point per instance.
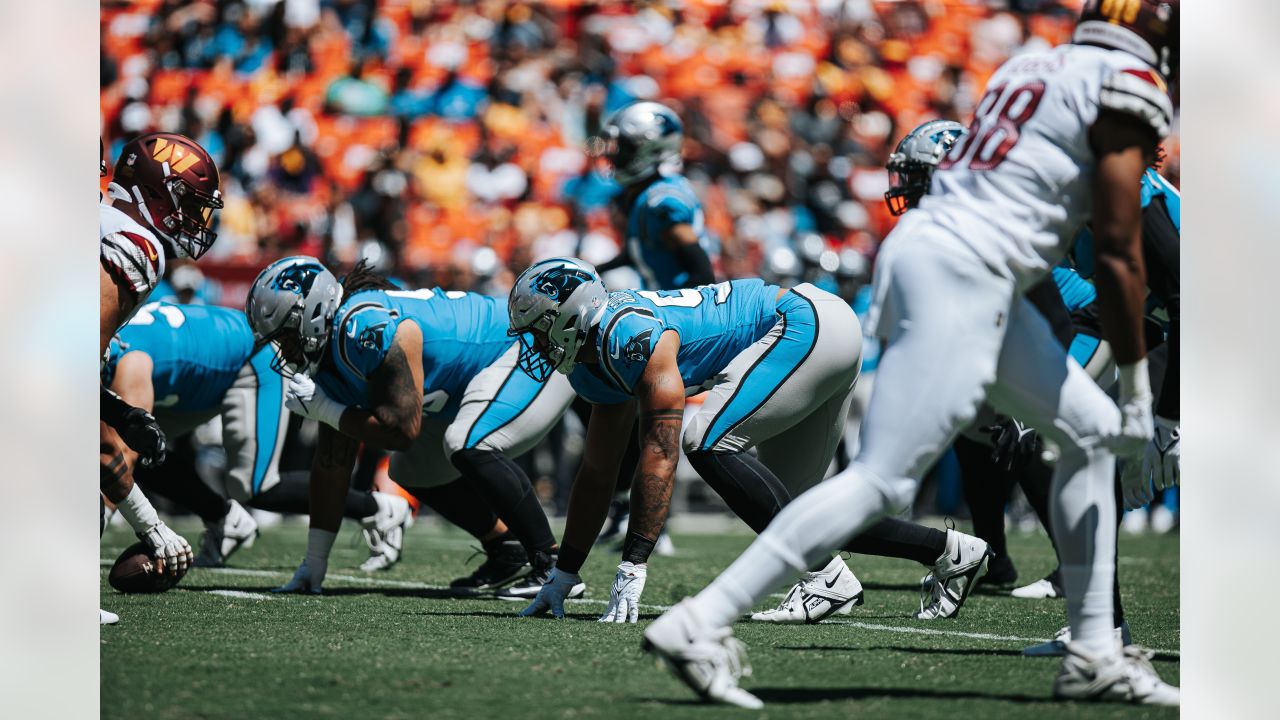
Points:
(389, 646)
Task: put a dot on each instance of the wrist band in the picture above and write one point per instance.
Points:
(637, 548)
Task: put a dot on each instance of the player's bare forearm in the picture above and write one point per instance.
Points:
(1123, 148)
(593, 487)
(655, 476)
(331, 468)
(115, 473)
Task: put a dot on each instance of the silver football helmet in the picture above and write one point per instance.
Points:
(912, 164)
(553, 306)
(291, 305)
(641, 140)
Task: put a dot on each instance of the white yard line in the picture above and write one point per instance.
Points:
(239, 594)
(874, 627)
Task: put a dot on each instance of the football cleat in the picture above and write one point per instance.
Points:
(619, 520)
(1134, 522)
(1124, 676)
(540, 571)
(833, 590)
(709, 660)
(384, 531)
(107, 618)
(505, 563)
(221, 539)
(943, 591)
(1044, 588)
(664, 547)
(1057, 647)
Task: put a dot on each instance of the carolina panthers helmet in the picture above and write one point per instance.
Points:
(642, 140)
(1147, 29)
(292, 304)
(553, 306)
(912, 164)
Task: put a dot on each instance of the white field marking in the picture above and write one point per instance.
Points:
(239, 594)
(874, 627)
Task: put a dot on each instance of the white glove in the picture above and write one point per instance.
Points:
(170, 548)
(551, 596)
(1163, 457)
(624, 597)
(310, 574)
(1135, 412)
(306, 579)
(303, 397)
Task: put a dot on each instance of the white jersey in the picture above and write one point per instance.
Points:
(1018, 186)
(129, 252)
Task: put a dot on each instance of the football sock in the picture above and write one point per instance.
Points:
(1084, 520)
(459, 503)
(897, 538)
(986, 491)
(507, 490)
(809, 527)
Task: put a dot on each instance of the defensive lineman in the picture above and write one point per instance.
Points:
(1060, 137)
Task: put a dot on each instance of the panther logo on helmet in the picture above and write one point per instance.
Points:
(559, 283)
(297, 279)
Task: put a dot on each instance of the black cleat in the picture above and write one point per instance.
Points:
(539, 573)
(504, 563)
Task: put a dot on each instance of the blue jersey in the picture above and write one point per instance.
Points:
(714, 322)
(196, 352)
(1076, 292)
(462, 334)
(668, 202)
(1153, 186)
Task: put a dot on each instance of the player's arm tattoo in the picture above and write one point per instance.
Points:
(397, 402)
(654, 481)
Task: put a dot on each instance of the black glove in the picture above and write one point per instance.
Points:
(136, 426)
(1013, 445)
(142, 433)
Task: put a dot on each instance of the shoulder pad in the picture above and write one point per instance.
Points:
(626, 341)
(365, 333)
(1139, 92)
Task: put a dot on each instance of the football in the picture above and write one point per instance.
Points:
(137, 571)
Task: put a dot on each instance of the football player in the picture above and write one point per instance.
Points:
(428, 374)
(160, 205)
(666, 240)
(1060, 137)
(662, 223)
(779, 366)
(188, 364)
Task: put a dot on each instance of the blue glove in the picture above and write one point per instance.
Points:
(552, 595)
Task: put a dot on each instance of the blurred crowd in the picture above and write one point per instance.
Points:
(453, 142)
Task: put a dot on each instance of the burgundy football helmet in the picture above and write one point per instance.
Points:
(1145, 28)
(174, 184)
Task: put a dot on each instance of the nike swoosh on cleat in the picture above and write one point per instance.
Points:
(832, 583)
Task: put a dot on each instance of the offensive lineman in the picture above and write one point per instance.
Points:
(779, 364)
(161, 202)
(428, 374)
(1060, 137)
(188, 364)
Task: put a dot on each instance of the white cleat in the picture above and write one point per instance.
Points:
(1042, 589)
(664, 547)
(1162, 520)
(107, 618)
(384, 531)
(943, 591)
(1134, 522)
(709, 660)
(1123, 676)
(236, 530)
(833, 590)
(1057, 647)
